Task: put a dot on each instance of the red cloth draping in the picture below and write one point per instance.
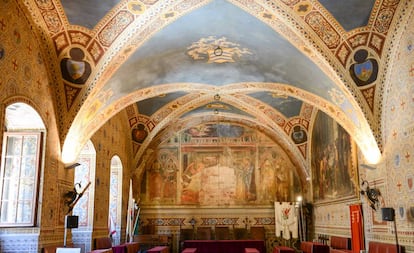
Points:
(357, 229)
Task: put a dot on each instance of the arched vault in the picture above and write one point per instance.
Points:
(257, 56)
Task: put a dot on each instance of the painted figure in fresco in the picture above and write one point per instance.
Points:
(345, 162)
(240, 191)
(170, 181)
(75, 69)
(282, 180)
(245, 180)
(155, 178)
(332, 168)
(192, 177)
(328, 170)
(249, 179)
(323, 164)
(268, 188)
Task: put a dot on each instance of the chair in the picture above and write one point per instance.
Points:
(204, 233)
(257, 233)
(186, 234)
(313, 247)
(339, 243)
(240, 234)
(148, 229)
(131, 247)
(146, 241)
(164, 240)
(379, 247)
(103, 243)
(222, 233)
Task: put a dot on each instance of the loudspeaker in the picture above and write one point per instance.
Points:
(388, 213)
(72, 221)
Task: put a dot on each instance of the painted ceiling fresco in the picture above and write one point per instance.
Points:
(269, 65)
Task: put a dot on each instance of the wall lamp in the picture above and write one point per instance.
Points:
(193, 222)
(71, 166)
(388, 214)
(372, 194)
(366, 166)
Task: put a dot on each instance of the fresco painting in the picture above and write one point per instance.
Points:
(225, 176)
(334, 170)
(220, 164)
(163, 173)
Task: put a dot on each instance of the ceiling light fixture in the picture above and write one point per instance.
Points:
(218, 51)
(217, 97)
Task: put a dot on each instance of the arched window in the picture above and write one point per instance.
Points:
(20, 165)
(115, 200)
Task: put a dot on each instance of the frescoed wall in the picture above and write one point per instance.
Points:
(220, 164)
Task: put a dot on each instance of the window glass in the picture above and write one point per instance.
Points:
(19, 170)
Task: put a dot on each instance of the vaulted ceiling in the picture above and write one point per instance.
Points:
(271, 65)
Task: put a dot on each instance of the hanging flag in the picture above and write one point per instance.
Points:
(130, 216)
(286, 220)
(357, 228)
(136, 223)
(111, 226)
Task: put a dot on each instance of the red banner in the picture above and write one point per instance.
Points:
(357, 229)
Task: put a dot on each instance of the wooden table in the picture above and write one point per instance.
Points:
(129, 247)
(189, 250)
(158, 249)
(283, 249)
(225, 246)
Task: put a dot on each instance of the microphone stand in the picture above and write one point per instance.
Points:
(71, 206)
(396, 236)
